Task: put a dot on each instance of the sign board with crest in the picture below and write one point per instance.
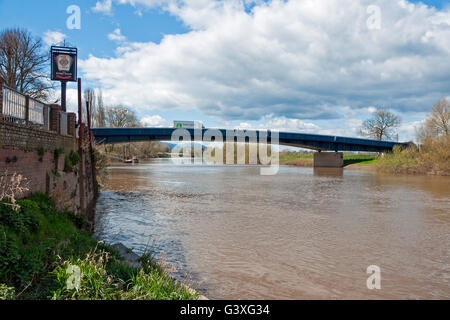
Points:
(64, 68)
(64, 64)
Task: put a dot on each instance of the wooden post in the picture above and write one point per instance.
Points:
(1, 98)
(46, 117)
(91, 150)
(27, 109)
(80, 148)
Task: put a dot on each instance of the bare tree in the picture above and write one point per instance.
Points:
(381, 125)
(121, 117)
(437, 123)
(100, 115)
(23, 63)
(90, 97)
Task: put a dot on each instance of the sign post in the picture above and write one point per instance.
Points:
(64, 68)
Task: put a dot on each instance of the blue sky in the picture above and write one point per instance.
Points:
(91, 38)
(228, 63)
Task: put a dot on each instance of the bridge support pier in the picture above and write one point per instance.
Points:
(328, 160)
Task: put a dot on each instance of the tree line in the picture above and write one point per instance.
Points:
(108, 117)
(383, 124)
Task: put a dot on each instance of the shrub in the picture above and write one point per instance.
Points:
(41, 152)
(39, 244)
(104, 277)
(71, 160)
(12, 187)
(78, 219)
(31, 238)
(432, 157)
(68, 166)
(74, 157)
(58, 152)
(94, 281)
(6, 293)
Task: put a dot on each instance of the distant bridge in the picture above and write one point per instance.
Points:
(300, 140)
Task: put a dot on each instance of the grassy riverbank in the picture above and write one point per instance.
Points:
(294, 159)
(433, 157)
(41, 248)
(307, 160)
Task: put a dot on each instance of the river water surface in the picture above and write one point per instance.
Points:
(301, 234)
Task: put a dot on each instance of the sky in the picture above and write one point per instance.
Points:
(319, 66)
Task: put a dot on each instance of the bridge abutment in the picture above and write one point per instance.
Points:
(328, 160)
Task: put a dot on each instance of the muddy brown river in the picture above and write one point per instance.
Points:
(301, 234)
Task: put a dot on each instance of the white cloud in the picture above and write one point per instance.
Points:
(408, 131)
(53, 37)
(289, 59)
(155, 121)
(278, 123)
(117, 36)
(289, 125)
(104, 7)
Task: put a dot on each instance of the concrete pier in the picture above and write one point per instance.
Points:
(328, 160)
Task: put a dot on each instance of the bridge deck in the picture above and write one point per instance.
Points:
(301, 140)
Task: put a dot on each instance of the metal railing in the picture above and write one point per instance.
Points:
(14, 105)
(21, 109)
(36, 112)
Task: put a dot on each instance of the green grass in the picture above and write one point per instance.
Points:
(362, 159)
(39, 245)
(285, 157)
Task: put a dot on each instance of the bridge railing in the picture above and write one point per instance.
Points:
(21, 109)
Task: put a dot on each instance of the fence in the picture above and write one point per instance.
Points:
(14, 105)
(36, 112)
(21, 109)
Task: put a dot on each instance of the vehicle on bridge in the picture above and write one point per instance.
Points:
(188, 125)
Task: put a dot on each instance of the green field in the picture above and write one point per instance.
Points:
(285, 157)
(362, 159)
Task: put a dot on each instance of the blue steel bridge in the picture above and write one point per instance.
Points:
(293, 139)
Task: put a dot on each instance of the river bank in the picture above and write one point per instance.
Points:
(307, 160)
(46, 254)
(432, 157)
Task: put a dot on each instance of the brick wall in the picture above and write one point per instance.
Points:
(28, 138)
(19, 153)
(55, 124)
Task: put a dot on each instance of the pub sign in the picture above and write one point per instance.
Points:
(64, 63)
